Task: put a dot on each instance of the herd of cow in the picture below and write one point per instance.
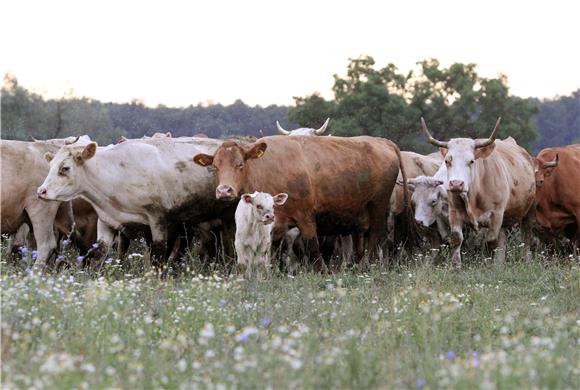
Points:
(360, 193)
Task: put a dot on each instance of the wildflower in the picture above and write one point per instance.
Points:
(80, 258)
(65, 243)
(222, 302)
(182, 365)
(34, 255)
(265, 321)
(207, 331)
(23, 250)
(476, 362)
(420, 383)
(450, 355)
(246, 333)
(95, 245)
(109, 260)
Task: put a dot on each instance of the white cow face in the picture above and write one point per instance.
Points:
(66, 172)
(460, 157)
(429, 199)
(263, 205)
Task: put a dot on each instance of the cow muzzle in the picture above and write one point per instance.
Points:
(268, 219)
(456, 185)
(225, 192)
(42, 193)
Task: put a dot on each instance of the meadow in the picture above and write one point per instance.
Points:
(416, 325)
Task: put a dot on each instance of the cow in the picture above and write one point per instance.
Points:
(335, 185)
(415, 165)
(490, 183)
(303, 130)
(23, 170)
(149, 183)
(557, 174)
(254, 221)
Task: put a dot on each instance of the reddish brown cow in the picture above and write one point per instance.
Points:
(558, 189)
(335, 185)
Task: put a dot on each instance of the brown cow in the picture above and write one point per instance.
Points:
(491, 183)
(558, 189)
(335, 185)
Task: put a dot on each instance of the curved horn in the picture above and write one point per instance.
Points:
(281, 130)
(323, 128)
(430, 138)
(34, 139)
(551, 164)
(491, 139)
(69, 142)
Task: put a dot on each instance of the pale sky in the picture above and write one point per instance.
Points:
(265, 52)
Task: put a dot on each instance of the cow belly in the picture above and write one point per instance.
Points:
(332, 224)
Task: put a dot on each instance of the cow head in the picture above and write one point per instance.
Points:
(66, 171)
(263, 205)
(543, 169)
(303, 130)
(230, 161)
(429, 199)
(460, 155)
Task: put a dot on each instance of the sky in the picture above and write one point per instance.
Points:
(179, 53)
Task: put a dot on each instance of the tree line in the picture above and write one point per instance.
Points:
(384, 102)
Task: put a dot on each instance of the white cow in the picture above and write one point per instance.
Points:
(148, 183)
(254, 223)
(303, 130)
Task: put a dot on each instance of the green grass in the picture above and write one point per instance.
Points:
(513, 325)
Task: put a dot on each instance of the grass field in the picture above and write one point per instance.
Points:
(513, 326)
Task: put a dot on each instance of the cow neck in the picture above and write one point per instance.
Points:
(94, 190)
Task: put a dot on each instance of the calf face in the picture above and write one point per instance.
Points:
(429, 199)
(543, 169)
(230, 163)
(66, 172)
(263, 205)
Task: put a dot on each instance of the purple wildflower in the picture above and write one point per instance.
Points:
(34, 255)
(222, 302)
(474, 353)
(476, 362)
(59, 258)
(65, 243)
(109, 260)
(23, 250)
(265, 321)
(95, 245)
(80, 258)
(450, 355)
(420, 383)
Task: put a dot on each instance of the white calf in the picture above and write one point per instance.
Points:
(254, 222)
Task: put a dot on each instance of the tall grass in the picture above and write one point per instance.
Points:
(418, 325)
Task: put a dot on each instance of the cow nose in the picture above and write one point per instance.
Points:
(224, 191)
(420, 223)
(456, 185)
(41, 192)
(539, 183)
(269, 216)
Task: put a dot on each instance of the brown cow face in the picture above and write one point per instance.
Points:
(460, 157)
(65, 176)
(230, 161)
(544, 169)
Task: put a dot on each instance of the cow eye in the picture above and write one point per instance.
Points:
(471, 162)
(64, 170)
(433, 202)
(259, 207)
(448, 163)
(240, 165)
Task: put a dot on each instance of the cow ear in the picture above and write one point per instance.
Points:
(280, 199)
(256, 151)
(247, 198)
(484, 152)
(48, 156)
(203, 159)
(89, 151)
(443, 151)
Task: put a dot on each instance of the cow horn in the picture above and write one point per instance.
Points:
(491, 139)
(34, 139)
(551, 164)
(69, 142)
(281, 130)
(323, 128)
(430, 138)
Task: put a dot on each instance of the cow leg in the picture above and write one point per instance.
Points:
(312, 249)
(158, 246)
(391, 230)
(42, 215)
(455, 238)
(496, 239)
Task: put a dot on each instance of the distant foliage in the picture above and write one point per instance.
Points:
(455, 101)
(26, 114)
(559, 121)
